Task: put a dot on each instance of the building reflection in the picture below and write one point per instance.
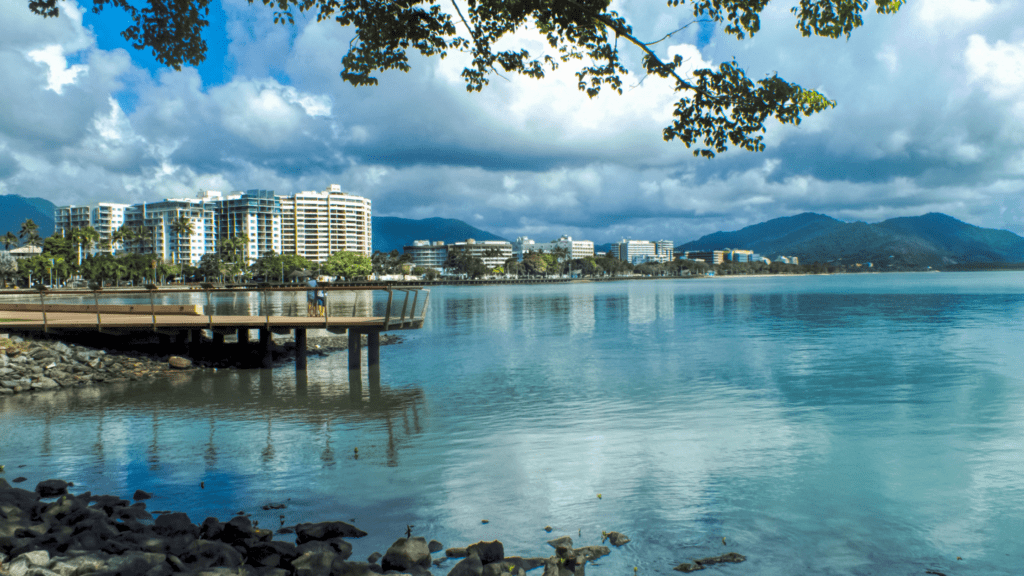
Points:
(205, 417)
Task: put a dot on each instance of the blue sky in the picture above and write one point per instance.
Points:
(930, 119)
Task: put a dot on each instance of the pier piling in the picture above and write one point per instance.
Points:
(300, 349)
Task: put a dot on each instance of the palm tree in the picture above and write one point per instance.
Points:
(181, 226)
(84, 237)
(30, 233)
(8, 239)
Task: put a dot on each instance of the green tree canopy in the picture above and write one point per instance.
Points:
(717, 107)
(349, 265)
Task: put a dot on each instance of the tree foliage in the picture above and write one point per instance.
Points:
(717, 107)
(349, 265)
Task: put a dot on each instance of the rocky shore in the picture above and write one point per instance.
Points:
(29, 364)
(53, 532)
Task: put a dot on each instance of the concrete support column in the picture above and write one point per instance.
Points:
(218, 338)
(300, 348)
(373, 348)
(243, 335)
(195, 338)
(265, 342)
(355, 358)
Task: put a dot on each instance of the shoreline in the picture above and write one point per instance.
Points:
(30, 364)
(52, 531)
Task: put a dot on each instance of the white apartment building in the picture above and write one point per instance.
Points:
(427, 254)
(104, 217)
(640, 251)
(576, 249)
(315, 225)
(257, 214)
(494, 253)
(665, 250)
(156, 223)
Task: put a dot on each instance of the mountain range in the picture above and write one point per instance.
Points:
(935, 240)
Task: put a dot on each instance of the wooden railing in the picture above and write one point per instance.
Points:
(393, 318)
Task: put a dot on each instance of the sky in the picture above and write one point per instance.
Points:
(930, 118)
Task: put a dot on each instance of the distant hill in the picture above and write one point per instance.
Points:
(935, 240)
(15, 209)
(391, 233)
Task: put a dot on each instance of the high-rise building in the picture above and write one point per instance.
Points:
(158, 230)
(256, 214)
(104, 217)
(635, 251)
(427, 254)
(315, 225)
(494, 253)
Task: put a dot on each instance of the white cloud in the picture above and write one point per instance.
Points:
(999, 67)
(58, 72)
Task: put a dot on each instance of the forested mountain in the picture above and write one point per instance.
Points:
(935, 240)
(14, 209)
(391, 233)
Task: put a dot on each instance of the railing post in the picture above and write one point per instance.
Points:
(152, 304)
(412, 313)
(96, 298)
(387, 310)
(326, 307)
(266, 305)
(42, 304)
(405, 304)
(209, 307)
(423, 313)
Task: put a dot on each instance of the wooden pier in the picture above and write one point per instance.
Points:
(404, 310)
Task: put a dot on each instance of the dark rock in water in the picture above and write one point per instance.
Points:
(456, 553)
(374, 557)
(435, 546)
(50, 488)
(326, 531)
(591, 553)
(469, 566)
(406, 553)
(616, 538)
(561, 541)
(175, 524)
(704, 562)
(274, 506)
(554, 568)
(237, 529)
(526, 564)
(211, 529)
(487, 551)
(19, 479)
(142, 495)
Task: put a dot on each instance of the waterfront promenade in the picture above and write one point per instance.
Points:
(64, 310)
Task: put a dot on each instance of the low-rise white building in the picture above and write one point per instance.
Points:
(576, 249)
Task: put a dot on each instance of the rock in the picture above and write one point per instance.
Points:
(487, 551)
(175, 524)
(237, 529)
(548, 528)
(456, 553)
(704, 562)
(434, 546)
(271, 554)
(590, 553)
(36, 557)
(179, 363)
(314, 564)
(561, 541)
(326, 531)
(526, 564)
(19, 479)
(469, 566)
(616, 538)
(406, 553)
(50, 488)
(342, 568)
(44, 383)
(207, 553)
(142, 495)
(374, 557)
(502, 568)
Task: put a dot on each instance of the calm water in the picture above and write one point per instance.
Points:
(867, 424)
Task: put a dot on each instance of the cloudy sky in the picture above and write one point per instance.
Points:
(930, 119)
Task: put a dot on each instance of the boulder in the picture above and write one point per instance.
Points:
(50, 488)
(502, 568)
(142, 495)
(342, 568)
(616, 538)
(590, 553)
(434, 546)
(469, 566)
(374, 557)
(207, 553)
(237, 529)
(456, 553)
(326, 531)
(561, 541)
(406, 553)
(487, 551)
(179, 363)
(314, 564)
(175, 524)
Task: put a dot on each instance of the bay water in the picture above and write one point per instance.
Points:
(847, 424)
